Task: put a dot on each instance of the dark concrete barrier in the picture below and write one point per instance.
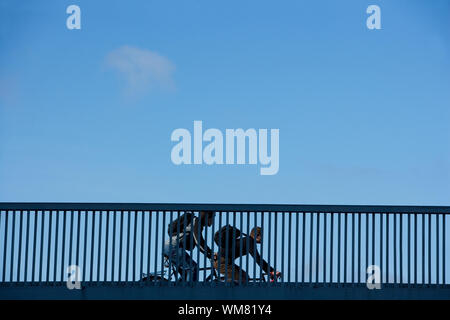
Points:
(201, 291)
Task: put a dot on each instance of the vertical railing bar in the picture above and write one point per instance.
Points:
(49, 245)
(248, 246)
(282, 243)
(353, 248)
(324, 280)
(429, 249)
(331, 245)
(262, 247)
(172, 264)
(19, 260)
(275, 239)
(113, 254)
(121, 246)
(197, 277)
(220, 254)
(233, 249)
(26, 246)
(373, 238)
(283, 221)
(437, 249)
(387, 248)
(33, 277)
(135, 246)
(156, 248)
(41, 252)
(56, 246)
(206, 244)
(401, 248)
(296, 246)
(303, 246)
(71, 238)
(63, 246)
(311, 248)
(212, 249)
(395, 248)
(289, 246)
(33, 266)
(381, 246)
(443, 249)
(423, 249)
(415, 248)
(91, 273)
(317, 244)
(240, 249)
(85, 245)
(190, 267)
(142, 245)
(127, 249)
(254, 245)
(345, 246)
(156, 244)
(409, 249)
(105, 269)
(5, 246)
(127, 255)
(162, 244)
(191, 241)
(99, 251)
(359, 247)
(339, 249)
(78, 239)
(184, 250)
(269, 247)
(366, 215)
(13, 251)
(171, 249)
(150, 213)
(190, 251)
(227, 228)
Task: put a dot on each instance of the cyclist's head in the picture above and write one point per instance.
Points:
(207, 217)
(256, 234)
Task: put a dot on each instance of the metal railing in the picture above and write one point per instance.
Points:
(308, 244)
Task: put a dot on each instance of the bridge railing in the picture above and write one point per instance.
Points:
(51, 243)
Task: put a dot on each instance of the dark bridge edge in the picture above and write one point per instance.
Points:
(66, 206)
(200, 291)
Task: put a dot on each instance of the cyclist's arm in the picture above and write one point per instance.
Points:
(200, 241)
(259, 260)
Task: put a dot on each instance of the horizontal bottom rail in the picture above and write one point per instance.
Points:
(221, 291)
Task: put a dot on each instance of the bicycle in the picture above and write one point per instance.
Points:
(213, 276)
(273, 277)
(167, 275)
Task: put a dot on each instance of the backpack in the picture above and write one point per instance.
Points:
(183, 221)
(220, 237)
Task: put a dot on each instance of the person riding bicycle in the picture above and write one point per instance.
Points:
(239, 244)
(185, 233)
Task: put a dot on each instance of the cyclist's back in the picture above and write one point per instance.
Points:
(235, 245)
(181, 231)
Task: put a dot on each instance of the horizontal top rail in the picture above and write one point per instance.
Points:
(66, 206)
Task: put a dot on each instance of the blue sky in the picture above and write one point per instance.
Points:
(363, 114)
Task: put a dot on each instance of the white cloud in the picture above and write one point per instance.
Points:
(142, 70)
